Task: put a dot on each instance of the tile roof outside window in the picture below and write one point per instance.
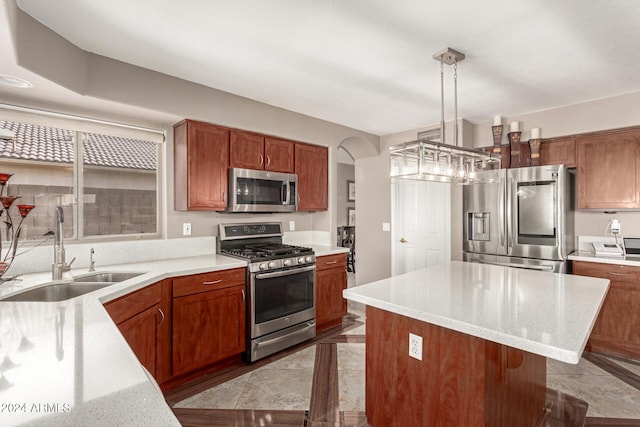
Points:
(42, 143)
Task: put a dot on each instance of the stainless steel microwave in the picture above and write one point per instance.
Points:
(262, 191)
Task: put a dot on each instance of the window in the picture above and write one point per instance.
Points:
(113, 191)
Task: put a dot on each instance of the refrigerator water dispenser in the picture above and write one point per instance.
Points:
(478, 226)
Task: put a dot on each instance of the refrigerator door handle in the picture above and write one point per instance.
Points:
(524, 266)
(502, 224)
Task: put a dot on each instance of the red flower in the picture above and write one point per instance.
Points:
(4, 177)
(25, 209)
(7, 201)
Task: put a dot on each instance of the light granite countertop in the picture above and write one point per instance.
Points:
(66, 363)
(544, 313)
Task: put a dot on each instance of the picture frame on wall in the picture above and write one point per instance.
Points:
(351, 217)
(351, 191)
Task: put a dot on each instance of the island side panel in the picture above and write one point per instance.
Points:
(516, 386)
(445, 388)
(461, 380)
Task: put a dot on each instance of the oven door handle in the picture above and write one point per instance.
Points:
(285, 337)
(285, 273)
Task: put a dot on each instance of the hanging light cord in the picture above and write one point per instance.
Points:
(455, 102)
(442, 99)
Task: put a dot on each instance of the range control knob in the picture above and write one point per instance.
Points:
(309, 258)
(272, 264)
(286, 262)
(301, 260)
(262, 266)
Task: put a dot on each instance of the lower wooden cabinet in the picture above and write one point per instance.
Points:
(208, 319)
(143, 320)
(178, 326)
(331, 280)
(617, 328)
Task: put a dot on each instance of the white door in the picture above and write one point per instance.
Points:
(421, 231)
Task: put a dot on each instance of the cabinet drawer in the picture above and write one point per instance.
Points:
(131, 304)
(331, 261)
(613, 272)
(197, 283)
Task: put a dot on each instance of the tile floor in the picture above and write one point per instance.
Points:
(287, 384)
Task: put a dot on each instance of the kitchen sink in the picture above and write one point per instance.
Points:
(56, 292)
(81, 285)
(106, 277)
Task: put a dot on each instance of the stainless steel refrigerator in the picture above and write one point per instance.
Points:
(520, 218)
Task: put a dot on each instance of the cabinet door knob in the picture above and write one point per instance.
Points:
(261, 159)
(331, 262)
(161, 314)
(213, 282)
(268, 161)
(243, 296)
(403, 240)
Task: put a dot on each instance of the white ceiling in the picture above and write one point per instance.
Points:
(368, 64)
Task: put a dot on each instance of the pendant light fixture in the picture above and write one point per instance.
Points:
(429, 157)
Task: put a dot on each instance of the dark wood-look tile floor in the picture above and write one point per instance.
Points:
(324, 405)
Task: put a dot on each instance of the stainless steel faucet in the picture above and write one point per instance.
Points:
(59, 265)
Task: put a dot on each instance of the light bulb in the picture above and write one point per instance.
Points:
(436, 163)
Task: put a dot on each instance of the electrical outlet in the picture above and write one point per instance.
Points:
(415, 346)
(186, 229)
(386, 226)
(292, 226)
(615, 226)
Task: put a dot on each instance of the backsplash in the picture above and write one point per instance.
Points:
(39, 259)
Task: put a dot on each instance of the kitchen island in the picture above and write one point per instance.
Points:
(482, 334)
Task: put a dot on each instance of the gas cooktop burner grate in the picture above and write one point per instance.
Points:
(266, 251)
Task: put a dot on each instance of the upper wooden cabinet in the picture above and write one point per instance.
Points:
(311, 166)
(558, 151)
(279, 155)
(203, 154)
(254, 151)
(246, 150)
(609, 170)
(201, 163)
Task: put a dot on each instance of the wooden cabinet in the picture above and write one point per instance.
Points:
(143, 320)
(246, 150)
(279, 155)
(311, 166)
(208, 319)
(617, 328)
(331, 280)
(609, 170)
(203, 154)
(558, 151)
(255, 151)
(201, 161)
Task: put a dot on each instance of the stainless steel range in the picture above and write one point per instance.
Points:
(281, 286)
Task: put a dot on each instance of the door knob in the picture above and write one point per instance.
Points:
(403, 240)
